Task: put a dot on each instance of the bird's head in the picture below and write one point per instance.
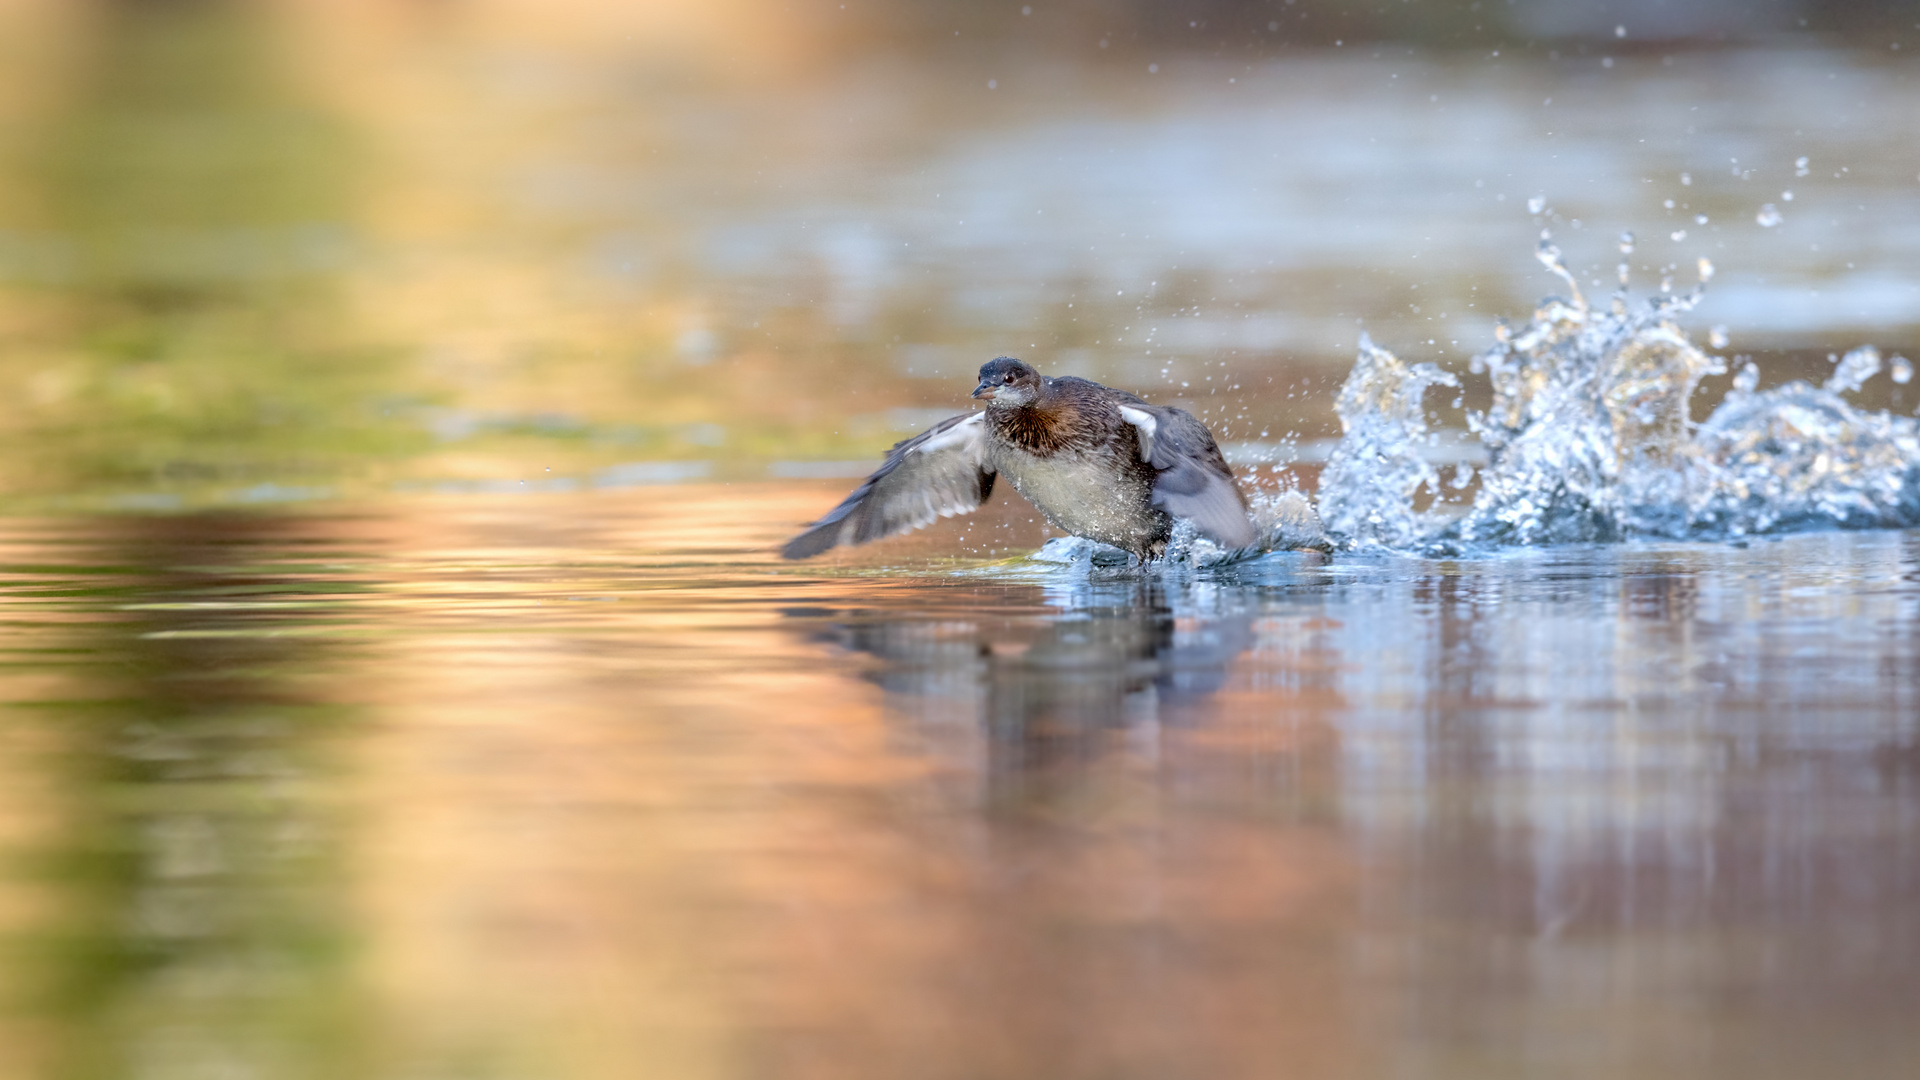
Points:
(1007, 383)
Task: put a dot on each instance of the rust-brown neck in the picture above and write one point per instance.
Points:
(1054, 422)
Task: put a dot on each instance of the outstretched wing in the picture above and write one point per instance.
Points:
(1193, 480)
(938, 473)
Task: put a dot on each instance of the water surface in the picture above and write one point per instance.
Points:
(591, 785)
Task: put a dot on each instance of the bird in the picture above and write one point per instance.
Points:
(1098, 462)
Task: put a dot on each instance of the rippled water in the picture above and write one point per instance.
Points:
(593, 785)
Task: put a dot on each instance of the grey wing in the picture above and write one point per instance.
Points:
(938, 473)
(1193, 480)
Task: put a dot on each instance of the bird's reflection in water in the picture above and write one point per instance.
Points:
(1117, 841)
(1116, 661)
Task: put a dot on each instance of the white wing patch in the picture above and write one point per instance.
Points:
(963, 432)
(1143, 420)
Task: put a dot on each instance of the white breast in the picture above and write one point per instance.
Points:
(1078, 493)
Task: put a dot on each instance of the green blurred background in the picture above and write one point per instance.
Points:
(256, 252)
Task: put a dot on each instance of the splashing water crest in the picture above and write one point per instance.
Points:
(1370, 482)
(1590, 439)
(1853, 370)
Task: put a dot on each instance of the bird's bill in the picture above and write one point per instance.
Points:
(985, 390)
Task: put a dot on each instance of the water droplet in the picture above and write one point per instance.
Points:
(1536, 204)
(1668, 204)
(1705, 267)
(1717, 337)
(1901, 369)
(1677, 235)
(1786, 196)
(1666, 284)
(1625, 272)
(1855, 368)
(1747, 380)
(1619, 31)
(1768, 217)
(1699, 219)
(1686, 179)
(1800, 166)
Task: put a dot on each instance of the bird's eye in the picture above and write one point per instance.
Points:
(1008, 377)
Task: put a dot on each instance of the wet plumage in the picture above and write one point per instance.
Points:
(1098, 462)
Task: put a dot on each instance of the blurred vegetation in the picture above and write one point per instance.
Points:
(1261, 27)
(427, 246)
(171, 277)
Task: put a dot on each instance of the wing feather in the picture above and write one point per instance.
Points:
(1193, 480)
(938, 473)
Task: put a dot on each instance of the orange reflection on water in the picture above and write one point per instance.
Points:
(672, 836)
(593, 785)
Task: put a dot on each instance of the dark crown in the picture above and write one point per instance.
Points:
(1000, 367)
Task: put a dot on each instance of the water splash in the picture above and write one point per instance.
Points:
(1853, 370)
(1370, 483)
(1590, 438)
(1285, 519)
